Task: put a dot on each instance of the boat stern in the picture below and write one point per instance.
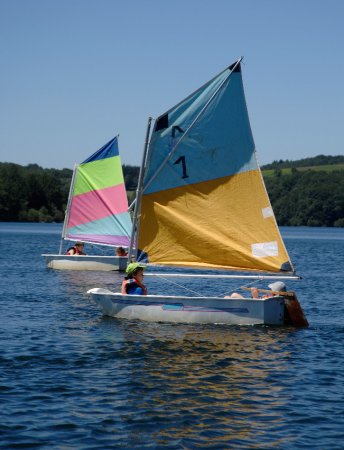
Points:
(273, 311)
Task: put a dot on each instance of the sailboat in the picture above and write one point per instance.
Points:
(97, 212)
(202, 203)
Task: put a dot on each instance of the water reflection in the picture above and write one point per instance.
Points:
(315, 233)
(104, 383)
(221, 383)
(83, 280)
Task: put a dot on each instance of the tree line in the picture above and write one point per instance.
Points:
(302, 198)
(33, 194)
(319, 160)
(308, 198)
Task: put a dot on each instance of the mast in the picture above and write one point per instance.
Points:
(135, 229)
(68, 207)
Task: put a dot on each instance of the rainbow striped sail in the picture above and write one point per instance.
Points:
(98, 206)
(204, 202)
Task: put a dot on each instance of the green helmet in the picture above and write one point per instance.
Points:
(133, 266)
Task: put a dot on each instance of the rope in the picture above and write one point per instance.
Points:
(179, 285)
(243, 287)
(200, 295)
(248, 285)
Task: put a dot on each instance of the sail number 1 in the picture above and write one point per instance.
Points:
(182, 161)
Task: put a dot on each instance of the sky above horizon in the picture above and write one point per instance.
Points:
(75, 73)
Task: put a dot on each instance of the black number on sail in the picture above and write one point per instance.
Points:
(182, 160)
(176, 128)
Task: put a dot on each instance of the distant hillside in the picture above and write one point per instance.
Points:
(307, 198)
(320, 160)
(289, 170)
(307, 192)
(33, 194)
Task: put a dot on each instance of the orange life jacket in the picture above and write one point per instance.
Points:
(76, 251)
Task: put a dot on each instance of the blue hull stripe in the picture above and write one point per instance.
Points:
(179, 306)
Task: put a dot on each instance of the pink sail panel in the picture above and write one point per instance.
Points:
(98, 204)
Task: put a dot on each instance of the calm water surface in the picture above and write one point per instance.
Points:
(73, 379)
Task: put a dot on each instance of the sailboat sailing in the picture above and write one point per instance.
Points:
(202, 203)
(97, 212)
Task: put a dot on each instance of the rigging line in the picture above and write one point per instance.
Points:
(179, 285)
(132, 205)
(99, 247)
(242, 287)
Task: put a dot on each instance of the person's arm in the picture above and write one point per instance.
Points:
(254, 292)
(71, 252)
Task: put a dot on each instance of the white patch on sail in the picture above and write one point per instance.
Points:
(267, 212)
(264, 249)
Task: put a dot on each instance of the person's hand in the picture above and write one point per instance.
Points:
(254, 292)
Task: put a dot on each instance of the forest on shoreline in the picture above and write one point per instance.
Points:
(307, 192)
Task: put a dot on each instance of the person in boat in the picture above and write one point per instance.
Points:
(121, 252)
(77, 249)
(132, 283)
(276, 287)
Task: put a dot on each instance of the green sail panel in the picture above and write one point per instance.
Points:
(98, 210)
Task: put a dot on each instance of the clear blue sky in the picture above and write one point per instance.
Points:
(74, 73)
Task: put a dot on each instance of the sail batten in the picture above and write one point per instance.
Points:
(98, 207)
(204, 201)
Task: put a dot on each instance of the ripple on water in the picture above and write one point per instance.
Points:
(71, 379)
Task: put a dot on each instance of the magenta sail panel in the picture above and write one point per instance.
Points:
(98, 204)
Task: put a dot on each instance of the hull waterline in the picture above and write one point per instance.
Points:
(212, 310)
(86, 262)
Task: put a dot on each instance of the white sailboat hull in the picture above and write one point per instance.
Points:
(86, 262)
(156, 308)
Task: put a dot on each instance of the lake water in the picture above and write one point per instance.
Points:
(73, 379)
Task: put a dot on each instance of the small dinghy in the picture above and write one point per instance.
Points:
(202, 203)
(97, 212)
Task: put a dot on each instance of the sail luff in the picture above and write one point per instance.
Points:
(67, 213)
